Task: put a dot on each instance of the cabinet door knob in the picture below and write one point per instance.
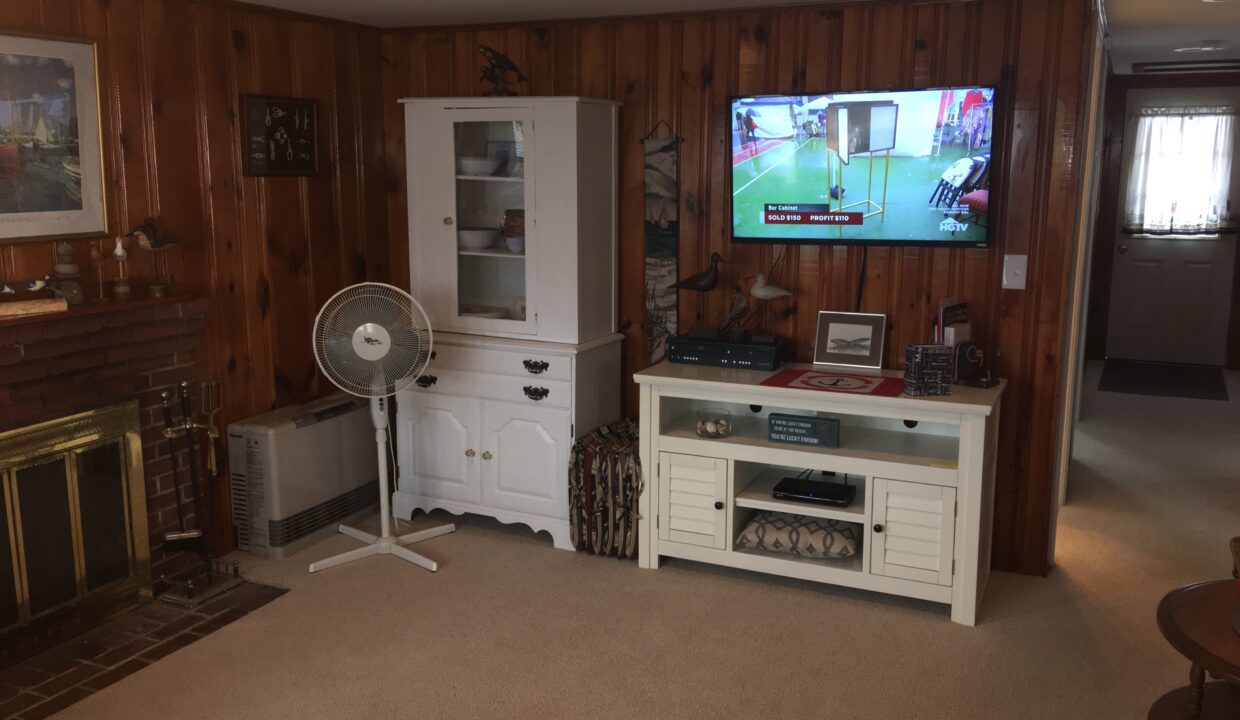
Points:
(470, 453)
(448, 221)
(718, 504)
(878, 528)
(486, 455)
(426, 381)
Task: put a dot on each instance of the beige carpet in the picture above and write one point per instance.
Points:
(511, 628)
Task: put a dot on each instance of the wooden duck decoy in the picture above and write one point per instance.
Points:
(704, 281)
(762, 290)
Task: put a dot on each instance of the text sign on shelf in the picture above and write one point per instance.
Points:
(802, 430)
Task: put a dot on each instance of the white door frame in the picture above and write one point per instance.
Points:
(1078, 293)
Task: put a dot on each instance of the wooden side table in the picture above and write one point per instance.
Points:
(1197, 621)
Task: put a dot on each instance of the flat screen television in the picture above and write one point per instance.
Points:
(878, 168)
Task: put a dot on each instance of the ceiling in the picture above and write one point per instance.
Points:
(406, 13)
(1151, 30)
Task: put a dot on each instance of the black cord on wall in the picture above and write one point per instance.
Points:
(865, 254)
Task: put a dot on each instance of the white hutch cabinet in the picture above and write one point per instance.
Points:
(527, 357)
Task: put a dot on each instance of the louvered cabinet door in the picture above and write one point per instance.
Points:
(913, 531)
(692, 506)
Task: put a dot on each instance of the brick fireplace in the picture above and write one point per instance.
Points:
(108, 356)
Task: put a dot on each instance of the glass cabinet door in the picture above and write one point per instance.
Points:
(492, 260)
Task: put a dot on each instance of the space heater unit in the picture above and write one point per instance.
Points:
(298, 471)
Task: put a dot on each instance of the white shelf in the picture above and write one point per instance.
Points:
(492, 178)
(853, 563)
(860, 443)
(758, 497)
(492, 252)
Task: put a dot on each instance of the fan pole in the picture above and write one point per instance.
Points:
(384, 544)
(378, 415)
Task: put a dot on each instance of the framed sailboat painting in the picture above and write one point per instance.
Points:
(51, 160)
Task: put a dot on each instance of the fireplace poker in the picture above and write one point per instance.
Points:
(177, 538)
(187, 415)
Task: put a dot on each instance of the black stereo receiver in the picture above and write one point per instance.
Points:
(759, 352)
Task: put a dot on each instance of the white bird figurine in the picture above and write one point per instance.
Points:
(761, 290)
(118, 253)
(5, 289)
(37, 285)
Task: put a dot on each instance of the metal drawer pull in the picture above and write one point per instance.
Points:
(470, 453)
(536, 393)
(426, 381)
(536, 367)
(486, 455)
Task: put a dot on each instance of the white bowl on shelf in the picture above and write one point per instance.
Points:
(476, 238)
(477, 166)
(516, 243)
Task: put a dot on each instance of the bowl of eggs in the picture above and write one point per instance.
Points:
(714, 423)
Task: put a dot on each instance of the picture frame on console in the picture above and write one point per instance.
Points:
(850, 340)
(51, 146)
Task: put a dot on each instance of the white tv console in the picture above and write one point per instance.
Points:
(925, 493)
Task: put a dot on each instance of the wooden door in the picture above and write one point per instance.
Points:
(525, 458)
(438, 446)
(693, 500)
(913, 531)
(1171, 299)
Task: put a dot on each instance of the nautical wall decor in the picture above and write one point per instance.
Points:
(51, 163)
(280, 135)
(662, 234)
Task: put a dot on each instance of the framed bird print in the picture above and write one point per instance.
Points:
(280, 135)
(852, 340)
(51, 151)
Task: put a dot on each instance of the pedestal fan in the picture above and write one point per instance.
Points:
(373, 340)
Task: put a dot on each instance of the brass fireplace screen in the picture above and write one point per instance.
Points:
(73, 512)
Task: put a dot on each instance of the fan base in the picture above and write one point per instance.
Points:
(376, 545)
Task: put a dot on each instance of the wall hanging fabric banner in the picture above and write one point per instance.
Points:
(662, 234)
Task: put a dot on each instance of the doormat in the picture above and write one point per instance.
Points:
(1199, 382)
(124, 644)
(856, 384)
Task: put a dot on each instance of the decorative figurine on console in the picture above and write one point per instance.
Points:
(704, 281)
(496, 72)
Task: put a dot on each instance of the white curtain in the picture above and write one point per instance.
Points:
(1180, 183)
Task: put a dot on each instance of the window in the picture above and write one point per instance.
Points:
(1180, 183)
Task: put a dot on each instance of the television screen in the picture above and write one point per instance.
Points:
(882, 168)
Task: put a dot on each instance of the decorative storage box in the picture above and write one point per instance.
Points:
(928, 370)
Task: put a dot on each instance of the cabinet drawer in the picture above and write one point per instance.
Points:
(533, 366)
(521, 390)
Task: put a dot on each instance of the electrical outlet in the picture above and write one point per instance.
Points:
(1015, 268)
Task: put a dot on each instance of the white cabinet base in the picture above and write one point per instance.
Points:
(467, 442)
(404, 505)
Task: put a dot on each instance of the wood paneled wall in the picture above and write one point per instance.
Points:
(683, 69)
(266, 251)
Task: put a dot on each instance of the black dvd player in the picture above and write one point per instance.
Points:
(815, 491)
(759, 352)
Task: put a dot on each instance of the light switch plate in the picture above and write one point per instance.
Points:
(1015, 268)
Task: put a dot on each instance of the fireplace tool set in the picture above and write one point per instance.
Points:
(183, 589)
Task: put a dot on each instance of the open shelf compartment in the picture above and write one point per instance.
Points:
(929, 445)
